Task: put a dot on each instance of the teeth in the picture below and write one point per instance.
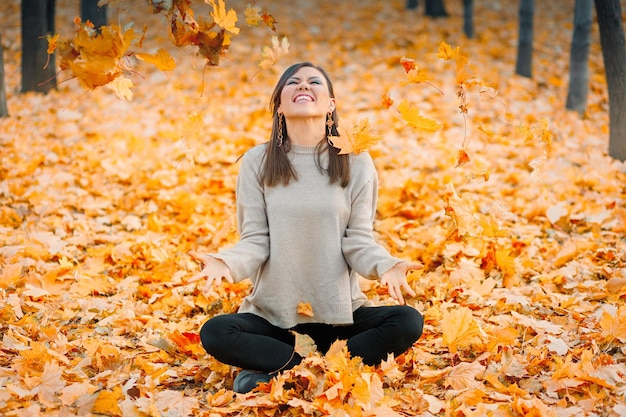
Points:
(303, 98)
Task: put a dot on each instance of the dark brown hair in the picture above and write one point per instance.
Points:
(277, 168)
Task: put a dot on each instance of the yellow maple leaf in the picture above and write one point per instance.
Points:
(52, 43)
(272, 54)
(357, 140)
(161, 59)
(460, 329)
(446, 52)
(461, 209)
(253, 15)
(122, 87)
(416, 76)
(222, 18)
(410, 114)
(614, 325)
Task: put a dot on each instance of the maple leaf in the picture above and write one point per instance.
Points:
(462, 159)
(170, 402)
(222, 18)
(272, 54)
(161, 59)
(408, 64)
(463, 376)
(52, 43)
(410, 114)
(51, 382)
(446, 52)
(122, 87)
(269, 21)
(253, 15)
(305, 309)
(386, 100)
(416, 76)
(357, 140)
(614, 325)
(461, 209)
(304, 344)
(459, 328)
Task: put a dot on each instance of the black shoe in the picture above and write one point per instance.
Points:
(246, 380)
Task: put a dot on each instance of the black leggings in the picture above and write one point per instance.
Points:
(248, 341)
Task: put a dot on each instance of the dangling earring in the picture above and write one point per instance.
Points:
(329, 125)
(279, 139)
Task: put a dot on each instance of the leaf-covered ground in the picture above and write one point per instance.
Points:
(515, 210)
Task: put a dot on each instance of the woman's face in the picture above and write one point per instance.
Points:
(306, 95)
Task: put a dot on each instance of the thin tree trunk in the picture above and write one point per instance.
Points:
(579, 57)
(609, 13)
(525, 41)
(435, 8)
(411, 4)
(4, 111)
(38, 72)
(89, 10)
(468, 18)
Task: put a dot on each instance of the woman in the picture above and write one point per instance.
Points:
(305, 217)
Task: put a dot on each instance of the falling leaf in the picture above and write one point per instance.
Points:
(222, 18)
(446, 52)
(462, 159)
(386, 100)
(410, 114)
(408, 64)
(357, 140)
(122, 87)
(161, 59)
(304, 344)
(271, 55)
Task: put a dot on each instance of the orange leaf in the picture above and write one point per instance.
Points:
(446, 52)
(356, 141)
(411, 115)
(161, 59)
(460, 328)
(387, 101)
(462, 159)
(407, 63)
(305, 309)
(52, 43)
(416, 76)
(222, 18)
(271, 54)
(269, 21)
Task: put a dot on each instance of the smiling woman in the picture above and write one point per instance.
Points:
(305, 217)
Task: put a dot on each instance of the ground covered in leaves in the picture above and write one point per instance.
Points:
(513, 207)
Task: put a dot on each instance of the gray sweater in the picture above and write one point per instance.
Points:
(307, 241)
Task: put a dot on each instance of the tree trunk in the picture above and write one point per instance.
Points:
(4, 111)
(411, 4)
(609, 13)
(579, 57)
(525, 40)
(435, 8)
(38, 70)
(89, 10)
(468, 18)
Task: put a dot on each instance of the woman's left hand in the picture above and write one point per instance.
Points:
(395, 279)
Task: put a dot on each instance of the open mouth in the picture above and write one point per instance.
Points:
(303, 98)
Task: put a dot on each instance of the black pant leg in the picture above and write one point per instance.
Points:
(247, 341)
(378, 331)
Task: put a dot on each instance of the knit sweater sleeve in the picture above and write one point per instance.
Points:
(360, 249)
(252, 250)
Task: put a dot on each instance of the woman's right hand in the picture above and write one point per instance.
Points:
(213, 269)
